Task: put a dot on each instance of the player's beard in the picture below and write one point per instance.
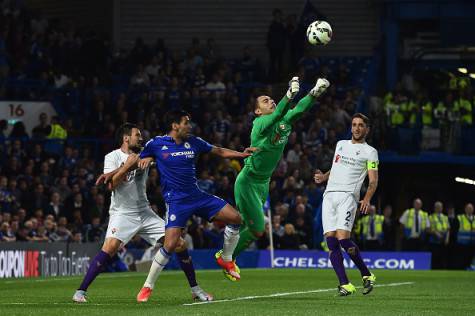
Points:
(359, 139)
(136, 148)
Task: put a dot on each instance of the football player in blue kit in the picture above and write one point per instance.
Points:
(175, 155)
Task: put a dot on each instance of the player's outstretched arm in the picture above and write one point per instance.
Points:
(229, 153)
(308, 101)
(106, 178)
(130, 164)
(282, 107)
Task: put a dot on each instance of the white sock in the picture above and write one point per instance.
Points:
(231, 238)
(159, 262)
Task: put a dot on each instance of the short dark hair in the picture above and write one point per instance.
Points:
(174, 116)
(361, 116)
(124, 130)
(256, 103)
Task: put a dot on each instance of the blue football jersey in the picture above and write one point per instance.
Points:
(176, 163)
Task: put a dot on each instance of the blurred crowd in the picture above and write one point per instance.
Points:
(449, 234)
(47, 190)
(426, 116)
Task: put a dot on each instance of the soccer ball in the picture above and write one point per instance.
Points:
(319, 33)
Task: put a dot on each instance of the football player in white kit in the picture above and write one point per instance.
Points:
(353, 160)
(131, 214)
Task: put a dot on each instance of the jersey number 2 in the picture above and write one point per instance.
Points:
(347, 218)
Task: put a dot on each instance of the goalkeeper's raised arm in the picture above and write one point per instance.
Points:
(270, 113)
(307, 102)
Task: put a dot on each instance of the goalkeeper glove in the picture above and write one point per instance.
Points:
(320, 87)
(294, 88)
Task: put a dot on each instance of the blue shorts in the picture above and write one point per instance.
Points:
(198, 203)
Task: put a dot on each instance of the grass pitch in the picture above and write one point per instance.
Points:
(260, 292)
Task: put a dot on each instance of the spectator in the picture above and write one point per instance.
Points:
(452, 246)
(55, 207)
(304, 231)
(290, 240)
(19, 131)
(389, 228)
(41, 130)
(6, 234)
(99, 209)
(7, 199)
(62, 231)
(206, 183)
(415, 225)
(216, 85)
(276, 42)
(62, 188)
(439, 236)
(370, 230)
(466, 236)
(277, 227)
(95, 233)
(41, 234)
(76, 237)
(38, 199)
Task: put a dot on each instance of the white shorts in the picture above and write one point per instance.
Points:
(338, 211)
(145, 223)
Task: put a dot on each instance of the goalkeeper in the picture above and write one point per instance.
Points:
(270, 132)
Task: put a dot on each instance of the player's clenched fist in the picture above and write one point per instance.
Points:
(320, 87)
(294, 87)
(319, 177)
(145, 162)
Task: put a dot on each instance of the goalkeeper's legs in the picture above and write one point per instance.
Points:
(249, 200)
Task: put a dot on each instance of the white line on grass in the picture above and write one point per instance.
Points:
(287, 294)
(217, 301)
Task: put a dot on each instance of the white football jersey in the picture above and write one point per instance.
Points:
(350, 166)
(131, 195)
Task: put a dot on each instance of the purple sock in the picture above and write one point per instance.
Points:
(187, 266)
(336, 258)
(354, 252)
(97, 265)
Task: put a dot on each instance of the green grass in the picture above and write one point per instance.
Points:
(430, 293)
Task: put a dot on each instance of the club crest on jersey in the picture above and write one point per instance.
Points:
(130, 175)
(172, 217)
(187, 145)
(337, 158)
(358, 152)
(282, 126)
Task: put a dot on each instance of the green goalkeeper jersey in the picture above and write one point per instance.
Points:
(270, 133)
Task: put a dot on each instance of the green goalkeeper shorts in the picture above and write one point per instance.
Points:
(251, 194)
